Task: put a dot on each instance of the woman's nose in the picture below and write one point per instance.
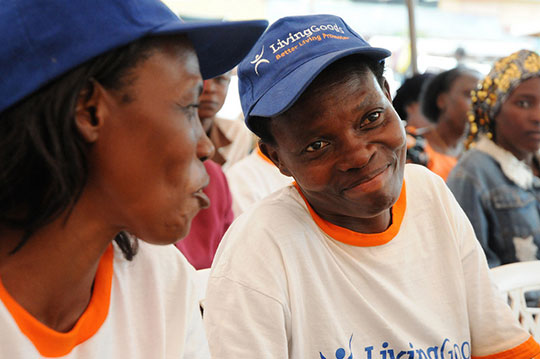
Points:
(205, 147)
(355, 153)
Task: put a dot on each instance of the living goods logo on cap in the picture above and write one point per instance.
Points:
(289, 55)
(42, 40)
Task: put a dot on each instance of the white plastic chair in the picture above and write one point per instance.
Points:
(514, 280)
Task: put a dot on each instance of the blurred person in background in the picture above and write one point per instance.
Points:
(407, 105)
(102, 170)
(253, 178)
(444, 101)
(232, 139)
(497, 180)
(407, 101)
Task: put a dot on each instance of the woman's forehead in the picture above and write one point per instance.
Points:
(344, 99)
(357, 90)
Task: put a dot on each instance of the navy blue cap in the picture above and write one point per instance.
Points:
(288, 57)
(41, 40)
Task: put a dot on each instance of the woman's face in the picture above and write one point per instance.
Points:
(213, 97)
(457, 101)
(146, 172)
(345, 148)
(517, 125)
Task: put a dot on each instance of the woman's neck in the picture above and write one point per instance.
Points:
(52, 274)
(446, 142)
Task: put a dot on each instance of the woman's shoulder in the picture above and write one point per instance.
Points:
(476, 163)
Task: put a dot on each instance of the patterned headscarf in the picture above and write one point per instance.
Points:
(507, 73)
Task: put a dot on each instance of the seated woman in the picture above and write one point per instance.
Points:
(445, 100)
(497, 181)
(102, 170)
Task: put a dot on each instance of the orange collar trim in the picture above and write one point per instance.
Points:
(357, 239)
(51, 343)
(262, 155)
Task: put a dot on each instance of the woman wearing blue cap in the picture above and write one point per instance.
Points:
(364, 256)
(101, 145)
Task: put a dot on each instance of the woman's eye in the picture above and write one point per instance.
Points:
(524, 104)
(372, 117)
(316, 146)
(191, 110)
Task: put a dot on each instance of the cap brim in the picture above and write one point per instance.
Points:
(220, 46)
(284, 93)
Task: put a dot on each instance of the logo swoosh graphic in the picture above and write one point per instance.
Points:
(259, 60)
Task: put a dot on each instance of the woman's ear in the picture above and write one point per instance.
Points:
(386, 89)
(442, 100)
(271, 152)
(90, 111)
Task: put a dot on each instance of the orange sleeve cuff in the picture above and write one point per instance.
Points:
(527, 350)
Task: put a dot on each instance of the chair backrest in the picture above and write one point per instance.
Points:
(514, 280)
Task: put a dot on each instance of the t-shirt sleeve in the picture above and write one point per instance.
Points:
(495, 333)
(246, 313)
(243, 323)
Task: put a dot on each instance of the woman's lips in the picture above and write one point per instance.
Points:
(204, 201)
(370, 181)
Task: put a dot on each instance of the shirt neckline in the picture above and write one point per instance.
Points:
(357, 239)
(51, 343)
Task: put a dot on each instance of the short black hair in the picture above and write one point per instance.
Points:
(409, 92)
(332, 74)
(437, 85)
(43, 155)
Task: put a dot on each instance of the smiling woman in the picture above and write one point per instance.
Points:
(102, 154)
(363, 251)
(349, 162)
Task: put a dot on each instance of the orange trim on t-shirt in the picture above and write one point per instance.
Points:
(51, 343)
(526, 350)
(353, 238)
(263, 156)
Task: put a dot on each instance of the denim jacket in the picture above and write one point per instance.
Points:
(501, 197)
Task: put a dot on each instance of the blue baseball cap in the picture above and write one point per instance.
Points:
(41, 40)
(288, 57)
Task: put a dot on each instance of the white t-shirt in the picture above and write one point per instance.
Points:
(243, 141)
(287, 284)
(146, 308)
(253, 178)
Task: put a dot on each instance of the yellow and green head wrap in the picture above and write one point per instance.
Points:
(507, 73)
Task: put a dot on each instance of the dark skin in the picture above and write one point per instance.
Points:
(212, 99)
(345, 146)
(210, 102)
(517, 125)
(448, 134)
(158, 139)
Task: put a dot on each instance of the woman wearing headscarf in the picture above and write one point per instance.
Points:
(497, 180)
